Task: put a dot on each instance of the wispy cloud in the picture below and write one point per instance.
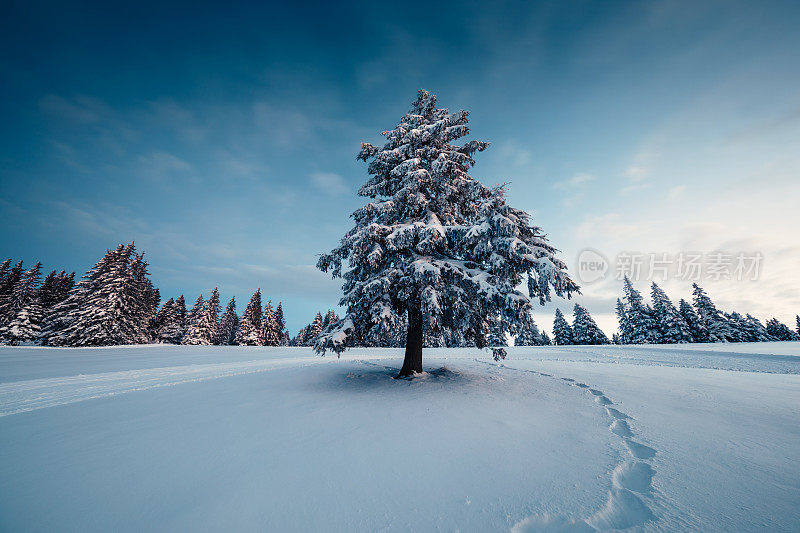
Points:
(329, 182)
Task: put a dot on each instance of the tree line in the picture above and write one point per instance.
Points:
(116, 303)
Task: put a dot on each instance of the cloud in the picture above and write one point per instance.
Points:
(676, 192)
(572, 182)
(329, 182)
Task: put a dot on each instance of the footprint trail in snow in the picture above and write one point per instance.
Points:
(631, 480)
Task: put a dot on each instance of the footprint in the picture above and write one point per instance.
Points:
(640, 451)
(582, 385)
(621, 428)
(635, 476)
(596, 392)
(623, 510)
(568, 379)
(602, 400)
(616, 414)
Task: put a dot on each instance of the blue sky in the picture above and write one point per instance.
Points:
(222, 139)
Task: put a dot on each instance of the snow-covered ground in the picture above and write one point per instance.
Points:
(663, 438)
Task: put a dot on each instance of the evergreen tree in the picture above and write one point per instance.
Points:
(205, 329)
(250, 331)
(55, 288)
(269, 324)
(625, 332)
(280, 322)
(529, 335)
(194, 312)
(797, 319)
(172, 323)
(737, 327)
(640, 322)
(755, 330)
(106, 308)
(562, 332)
(671, 325)
(435, 243)
(25, 327)
(585, 330)
(780, 331)
(696, 328)
(9, 279)
(546, 339)
(228, 325)
(709, 316)
(22, 292)
(314, 330)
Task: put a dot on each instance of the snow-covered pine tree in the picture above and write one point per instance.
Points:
(162, 316)
(144, 298)
(529, 335)
(269, 324)
(640, 319)
(697, 329)
(671, 325)
(5, 266)
(546, 341)
(195, 311)
(780, 331)
(25, 326)
(756, 331)
(797, 319)
(562, 331)
(737, 327)
(314, 330)
(280, 322)
(172, 323)
(585, 329)
(228, 324)
(55, 288)
(709, 316)
(206, 327)
(250, 332)
(435, 243)
(102, 309)
(23, 292)
(300, 338)
(625, 332)
(7, 283)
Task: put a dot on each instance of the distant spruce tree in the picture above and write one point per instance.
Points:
(172, 324)
(546, 339)
(669, 322)
(696, 328)
(625, 332)
(562, 332)
(585, 329)
(250, 330)
(435, 244)
(640, 321)
(529, 335)
(9, 277)
(797, 319)
(709, 316)
(205, 329)
(314, 330)
(737, 327)
(194, 313)
(269, 324)
(110, 305)
(228, 325)
(55, 288)
(23, 292)
(280, 322)
(756, 331)
(780, 331)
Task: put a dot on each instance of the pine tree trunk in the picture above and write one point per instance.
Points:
(412, 363)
